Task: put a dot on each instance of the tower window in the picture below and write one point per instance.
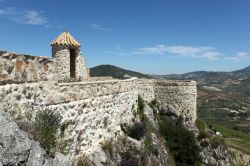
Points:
(72, 63)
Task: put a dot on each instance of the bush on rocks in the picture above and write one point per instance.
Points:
(45, 128)
(181, 142)
(202, 127)
(136, 131)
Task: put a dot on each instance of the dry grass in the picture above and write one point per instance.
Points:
(83, 160)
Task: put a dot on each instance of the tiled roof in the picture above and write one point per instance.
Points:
(66, 39)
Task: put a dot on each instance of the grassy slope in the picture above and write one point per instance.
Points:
(234, 138)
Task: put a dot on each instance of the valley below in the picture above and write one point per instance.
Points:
(224, 104)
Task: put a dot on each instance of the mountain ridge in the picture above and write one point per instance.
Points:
(115, 72)
(96, 71)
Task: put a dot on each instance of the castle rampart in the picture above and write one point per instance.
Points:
(20, 68)
(180, 95)
(96, 107)
(93, 109)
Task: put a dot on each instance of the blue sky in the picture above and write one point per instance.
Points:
(149, 36)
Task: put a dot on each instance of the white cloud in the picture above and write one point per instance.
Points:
(30, 17)
(99, 27)
(208, 53)
(213, 55)
(240, 56)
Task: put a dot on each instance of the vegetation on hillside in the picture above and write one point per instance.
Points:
(181, 142)
(224, 103)
(234, 137)
(115, 72)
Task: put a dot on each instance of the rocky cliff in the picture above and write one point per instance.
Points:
(17, 149)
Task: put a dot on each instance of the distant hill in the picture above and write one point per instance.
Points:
(210, 77)
(115, 72)
(243, 71)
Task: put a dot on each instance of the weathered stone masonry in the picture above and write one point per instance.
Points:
(66, 64)
(25, 68)
(92, 110)
(179, 94)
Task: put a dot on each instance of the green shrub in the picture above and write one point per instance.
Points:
(181, 142)
(202, 127)
(204, 143)
(129, 158)
(152, 104)
(45, 128)
(62, 146)
(236, 128)
(63, 127)
(148, 142)
(107, 146)
(141, 103)
(143, 118)
(136, 131)
(217, 141)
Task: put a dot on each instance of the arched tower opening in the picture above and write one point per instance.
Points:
(72, 63)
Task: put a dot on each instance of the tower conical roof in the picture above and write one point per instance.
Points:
(66, 39)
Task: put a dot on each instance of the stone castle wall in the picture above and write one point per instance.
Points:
(62, 59)
(19, 68)
(146, 89)
(95, 108)
(25, 68)
(179, 95)
(81, 70)
(92, 111)
(61, 54)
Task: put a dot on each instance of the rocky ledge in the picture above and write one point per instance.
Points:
(17, 149)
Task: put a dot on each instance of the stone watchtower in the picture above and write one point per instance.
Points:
(69, 63)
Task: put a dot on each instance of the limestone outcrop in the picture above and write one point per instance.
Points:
(17, 149)
(216, 156)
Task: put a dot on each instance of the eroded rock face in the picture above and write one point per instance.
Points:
(129, 152)
(218, 156)
(18, 150)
